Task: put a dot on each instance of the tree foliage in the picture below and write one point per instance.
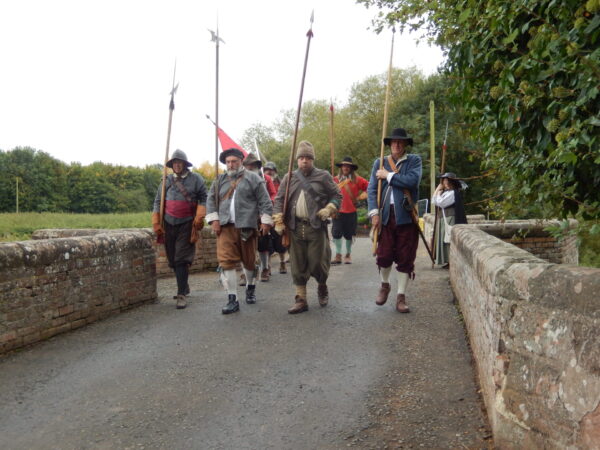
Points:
(526, 74)
(47, 184)
(358, 125)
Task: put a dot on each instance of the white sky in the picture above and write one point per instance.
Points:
(89, 80)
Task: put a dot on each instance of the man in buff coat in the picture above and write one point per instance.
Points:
(313, 199)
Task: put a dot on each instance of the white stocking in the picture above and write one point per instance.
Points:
(384, 272)
(402, 281)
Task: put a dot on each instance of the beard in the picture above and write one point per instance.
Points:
(234, 172)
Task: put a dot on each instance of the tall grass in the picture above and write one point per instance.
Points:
(18, 227)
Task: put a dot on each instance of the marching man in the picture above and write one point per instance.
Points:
(353, 188)
(398, 234)
(313, 199)
(185, 208)
(237, 200)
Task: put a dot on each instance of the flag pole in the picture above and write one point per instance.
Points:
(164, 176)
(309, 35)
(383, 133)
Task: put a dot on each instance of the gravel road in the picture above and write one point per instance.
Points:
(352, 374)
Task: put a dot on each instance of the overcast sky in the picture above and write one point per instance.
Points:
(89, 80)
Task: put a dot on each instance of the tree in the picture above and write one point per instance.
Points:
(526, 73)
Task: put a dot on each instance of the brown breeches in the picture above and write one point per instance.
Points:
(231, 249)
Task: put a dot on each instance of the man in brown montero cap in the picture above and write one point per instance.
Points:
(313, 199)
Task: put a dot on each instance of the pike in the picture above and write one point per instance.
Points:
(437, 208)
(164, 176)
(331, 139)
(214, 37)
(377, 229)
(309, 35)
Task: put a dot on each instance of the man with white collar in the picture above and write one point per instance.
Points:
(398, 240)
(237, 200)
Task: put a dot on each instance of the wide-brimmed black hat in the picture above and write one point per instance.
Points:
(178, 154)
(456, 181)
(398, 134)
(347, 161)
(252, 159)
(449, 175)
(230, 152)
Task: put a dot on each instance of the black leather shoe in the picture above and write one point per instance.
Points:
(250, 295)
(231, 306)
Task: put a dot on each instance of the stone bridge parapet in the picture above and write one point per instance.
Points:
(534, 329)
(50, 286)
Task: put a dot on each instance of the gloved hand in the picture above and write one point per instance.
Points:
(156, 226)
(278, 221)
(199, 218)
(327, 212)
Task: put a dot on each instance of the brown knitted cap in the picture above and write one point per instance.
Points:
(305, 148)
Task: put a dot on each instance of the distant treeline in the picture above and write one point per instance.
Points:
(47, 184)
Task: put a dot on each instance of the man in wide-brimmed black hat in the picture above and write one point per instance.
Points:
(185, 208)
(353, 188)
(237, 201)
(398, 234)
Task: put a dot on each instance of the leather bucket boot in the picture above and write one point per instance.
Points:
(337, 259)
(300, 306)
(401, 306)
(384, 291)
(250, 295)
(323, 294)
(231, 306)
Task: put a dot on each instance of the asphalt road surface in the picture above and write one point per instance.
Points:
(352, 374)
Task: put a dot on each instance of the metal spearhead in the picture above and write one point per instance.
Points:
(214, 37)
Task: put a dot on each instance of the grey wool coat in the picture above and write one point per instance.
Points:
(252, 201)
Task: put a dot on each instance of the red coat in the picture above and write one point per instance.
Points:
(270, 187)
(359, 185)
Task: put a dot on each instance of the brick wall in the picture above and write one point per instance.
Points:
(528, 235)
(205, 257)
(51, 286)
(534, 328)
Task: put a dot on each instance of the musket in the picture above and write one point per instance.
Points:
(437, 208)
(331, 139)
(309, 36)
(164, 177)
(383, 133)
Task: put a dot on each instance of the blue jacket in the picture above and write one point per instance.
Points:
(408, 177)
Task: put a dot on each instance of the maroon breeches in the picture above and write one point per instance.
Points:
(398, 244)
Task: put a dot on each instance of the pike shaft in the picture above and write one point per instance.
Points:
(293, 151)
(383, 133)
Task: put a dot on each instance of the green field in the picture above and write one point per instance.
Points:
(18, 227)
